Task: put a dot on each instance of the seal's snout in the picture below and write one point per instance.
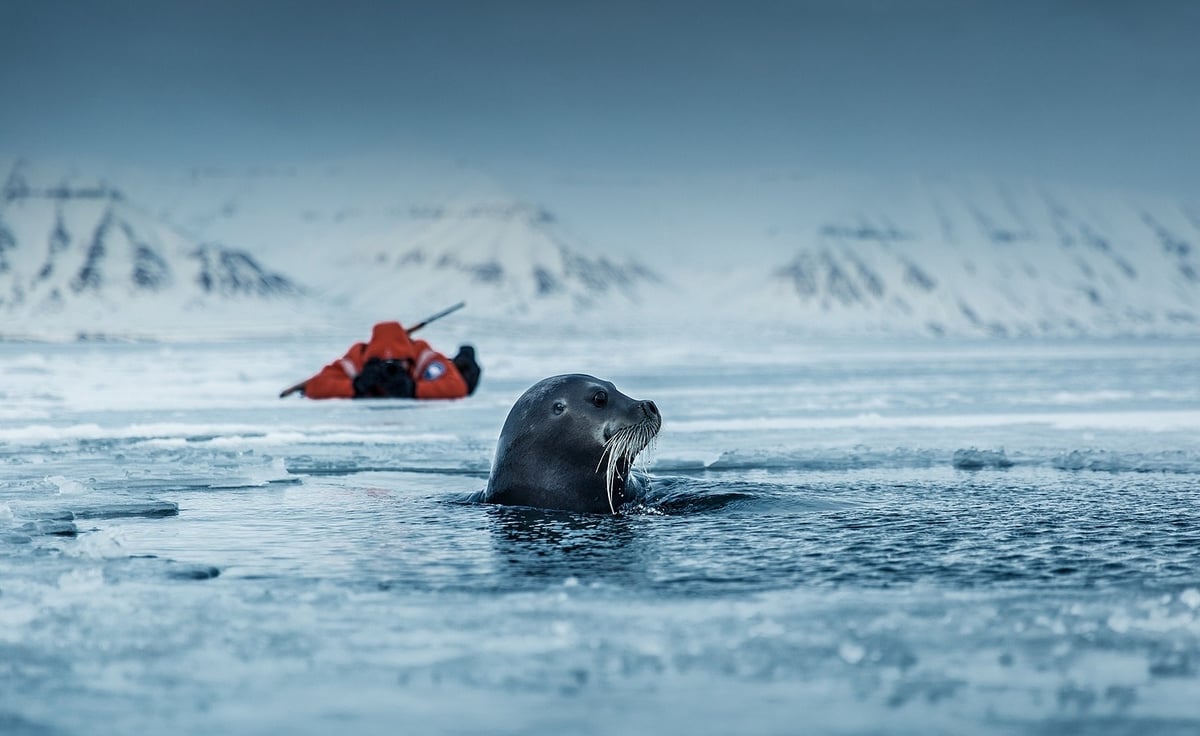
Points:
(651, 418)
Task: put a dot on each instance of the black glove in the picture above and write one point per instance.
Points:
(468, 367)
(384, 378)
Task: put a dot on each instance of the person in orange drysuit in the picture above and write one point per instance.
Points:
(396, 366)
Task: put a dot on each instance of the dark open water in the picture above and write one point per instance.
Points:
(943, 538)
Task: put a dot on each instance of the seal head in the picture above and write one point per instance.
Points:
(569, 443)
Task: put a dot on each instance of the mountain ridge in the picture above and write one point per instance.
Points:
(998, 262)
(85, 254)
(512, 256)
(920, 259)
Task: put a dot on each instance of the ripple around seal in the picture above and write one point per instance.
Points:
(682, 495)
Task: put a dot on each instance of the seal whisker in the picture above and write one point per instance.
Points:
(624, 446)
(616, 448)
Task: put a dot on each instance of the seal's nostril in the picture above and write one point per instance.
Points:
(650, 408)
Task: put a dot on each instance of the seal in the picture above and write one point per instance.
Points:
(569, 443)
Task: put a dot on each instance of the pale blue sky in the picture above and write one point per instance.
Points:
(1099, 92)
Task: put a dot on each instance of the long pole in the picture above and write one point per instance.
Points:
(439, 315)
(448, 310)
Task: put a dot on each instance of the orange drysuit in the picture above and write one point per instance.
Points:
(434, 375)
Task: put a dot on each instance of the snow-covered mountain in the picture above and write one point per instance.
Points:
(993, 260)
(391, 238)
(84, 258)
(508, 258)
(79, 258)
(816, 255)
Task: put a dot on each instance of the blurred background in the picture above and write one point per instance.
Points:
(915, 286)
(220, 169)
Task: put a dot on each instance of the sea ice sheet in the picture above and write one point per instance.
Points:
(934, 538)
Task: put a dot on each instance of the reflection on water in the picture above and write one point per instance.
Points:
(533, 547)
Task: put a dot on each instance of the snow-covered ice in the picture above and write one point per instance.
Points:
(930, 537)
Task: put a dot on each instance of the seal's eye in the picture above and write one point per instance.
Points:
(600, 399)
(559, 407)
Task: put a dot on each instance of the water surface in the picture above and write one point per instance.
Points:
(934, 538)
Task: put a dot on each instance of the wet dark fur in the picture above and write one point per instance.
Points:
(557, 459)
